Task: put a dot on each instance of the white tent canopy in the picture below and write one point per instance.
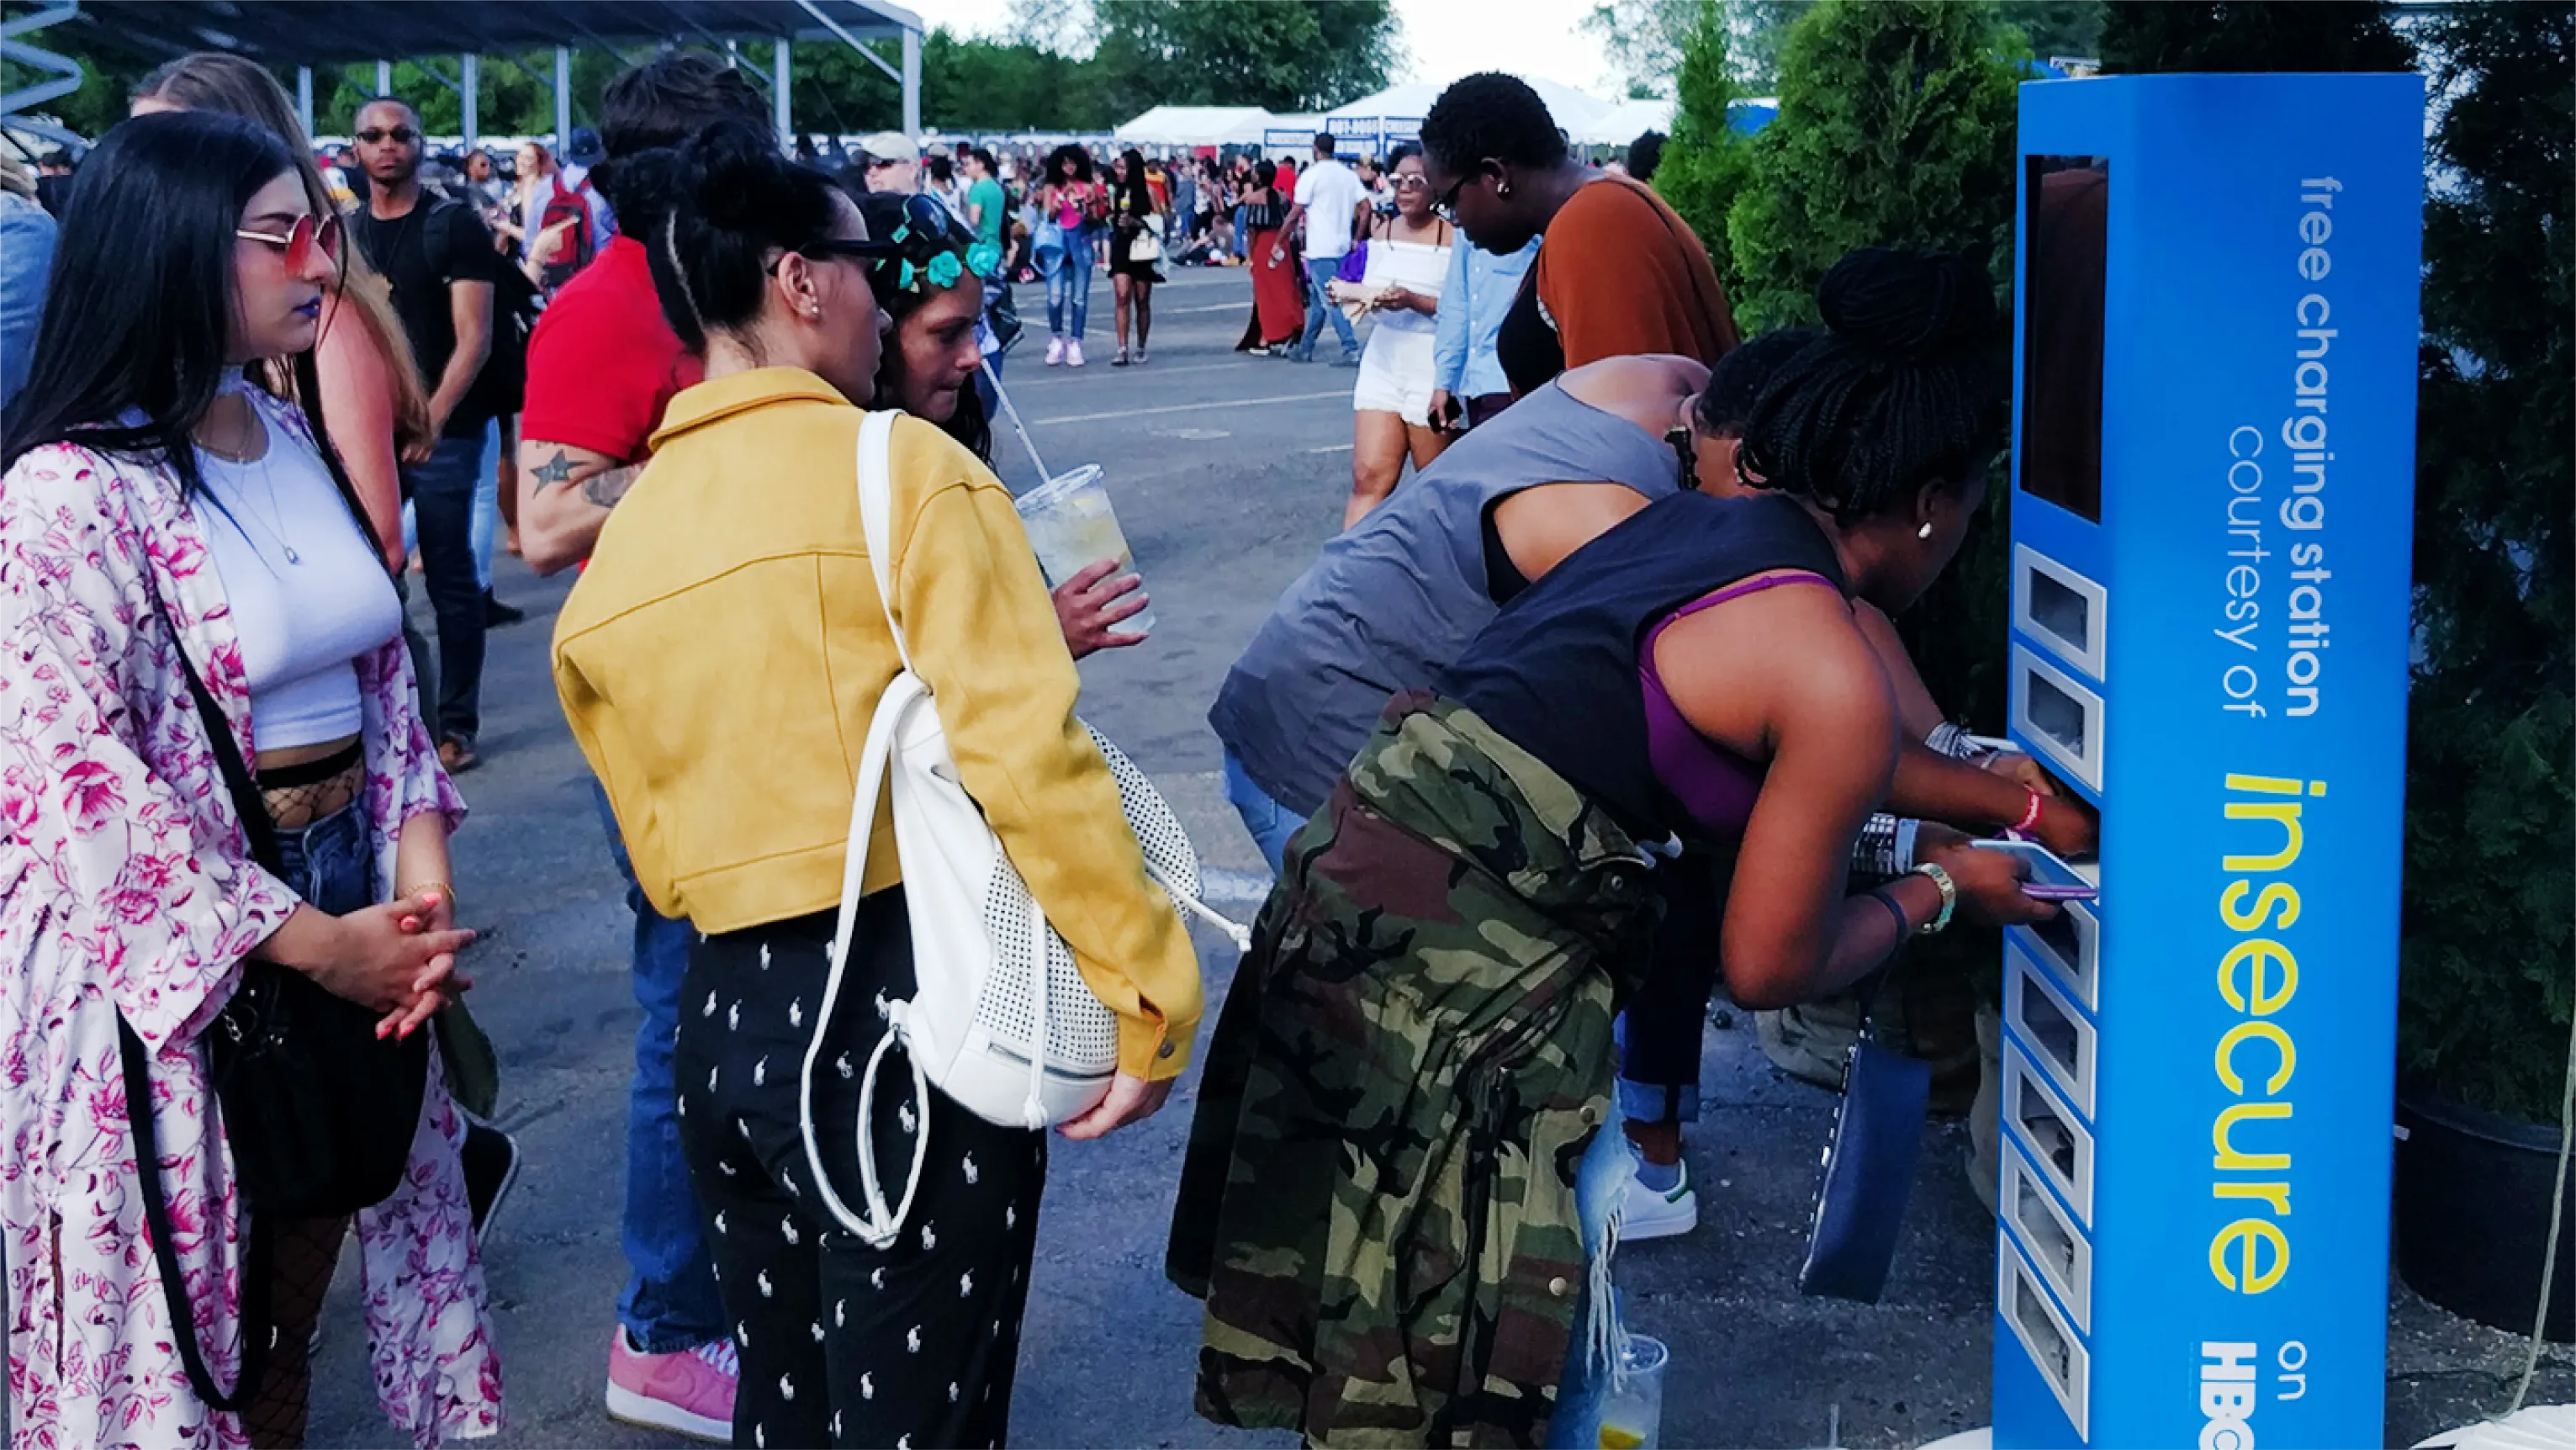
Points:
(1396, 113)
(1198, 126)
(1620, 124)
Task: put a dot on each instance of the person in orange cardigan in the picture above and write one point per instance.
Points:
(1619, 273)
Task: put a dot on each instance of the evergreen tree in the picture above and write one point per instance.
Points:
(1895, 129)
(2490, 800)
(2251, 35)
(1706, 161)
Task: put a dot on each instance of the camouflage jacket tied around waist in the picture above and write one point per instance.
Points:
(1378, 1203)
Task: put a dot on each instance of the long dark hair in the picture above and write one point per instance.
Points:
(140, 306)
(924, 232)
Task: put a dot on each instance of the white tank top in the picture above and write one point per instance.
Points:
(1421, 268)
(307, 589)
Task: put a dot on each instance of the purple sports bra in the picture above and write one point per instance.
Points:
(1714, 784)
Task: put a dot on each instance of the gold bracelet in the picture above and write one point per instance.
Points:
(441, 887)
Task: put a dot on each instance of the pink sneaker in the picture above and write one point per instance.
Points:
(689, 1392)
(1073, 352)
(1055, 351)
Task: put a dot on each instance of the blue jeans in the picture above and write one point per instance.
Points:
(1319, 271)
(1069, 287)
(1600, 1184)
(330, 862)
(670, 1303)
(1270, 823)
(1241, 241)
(487, 505)
(442, 496)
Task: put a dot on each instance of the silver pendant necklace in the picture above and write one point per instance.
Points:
(274, 524)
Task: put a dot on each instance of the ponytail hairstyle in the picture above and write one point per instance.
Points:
(733, 200)
(1897, 394)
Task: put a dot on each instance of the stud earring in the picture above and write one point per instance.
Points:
(1502, 188)
(1924, 533)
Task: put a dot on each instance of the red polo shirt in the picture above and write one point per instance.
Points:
(603, 364)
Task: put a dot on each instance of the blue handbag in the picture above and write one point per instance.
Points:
(1046, 245)
(1869, 1167)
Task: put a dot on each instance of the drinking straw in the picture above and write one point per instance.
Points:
(1013, 414)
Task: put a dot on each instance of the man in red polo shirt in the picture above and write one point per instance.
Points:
(602, 365)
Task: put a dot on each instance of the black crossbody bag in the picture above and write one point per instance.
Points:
(318, 1113)
(1869, 1164)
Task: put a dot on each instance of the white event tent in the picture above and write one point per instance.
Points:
(1375, 123)
(1198, 126)
(1620, 124)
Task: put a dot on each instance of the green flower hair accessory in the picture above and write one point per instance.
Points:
(945, 269)
(984, 259)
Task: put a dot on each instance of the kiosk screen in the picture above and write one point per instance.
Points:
(2061, 408)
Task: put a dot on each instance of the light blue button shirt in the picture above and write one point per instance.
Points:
(26, 261)
(1480, 290)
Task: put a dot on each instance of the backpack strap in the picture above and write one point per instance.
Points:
(879, 1226)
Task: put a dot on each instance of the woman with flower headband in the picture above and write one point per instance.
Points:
(933, 289)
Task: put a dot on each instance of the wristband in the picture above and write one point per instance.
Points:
(2029, 818)
(1948, 739)
(1949, 897)
(1904, 928)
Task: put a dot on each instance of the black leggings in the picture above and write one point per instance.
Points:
(842, 1344)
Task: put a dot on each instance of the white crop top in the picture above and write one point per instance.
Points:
(307, 588)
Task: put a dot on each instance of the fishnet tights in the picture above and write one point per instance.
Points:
(301, 1260)
(293, 807)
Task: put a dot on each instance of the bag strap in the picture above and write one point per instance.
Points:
(256, 1329)
(878, 1227)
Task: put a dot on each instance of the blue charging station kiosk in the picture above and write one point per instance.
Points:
(2212, 523)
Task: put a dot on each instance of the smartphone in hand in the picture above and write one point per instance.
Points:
(2051, 879)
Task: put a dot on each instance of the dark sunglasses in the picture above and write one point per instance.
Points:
(375, 135)
(1446, 203)
(301, 240)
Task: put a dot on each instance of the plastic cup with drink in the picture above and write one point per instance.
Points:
(1632, 1413)
(1072, 526)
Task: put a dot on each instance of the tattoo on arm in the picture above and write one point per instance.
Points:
(605, 489)
(602, 489)
(555, 470)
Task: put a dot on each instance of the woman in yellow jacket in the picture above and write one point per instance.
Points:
(720, 662)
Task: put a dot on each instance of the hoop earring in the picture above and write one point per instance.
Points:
(1924, 533)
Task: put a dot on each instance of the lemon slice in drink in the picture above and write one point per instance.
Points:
(1615, 1438)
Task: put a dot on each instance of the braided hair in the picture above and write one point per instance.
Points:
(733, 199)
(1897, 394)
(1740, 377)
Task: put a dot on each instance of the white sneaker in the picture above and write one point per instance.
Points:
(1073, 353)
(1055, 351)
(1648, 1214)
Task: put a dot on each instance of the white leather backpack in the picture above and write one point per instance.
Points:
(1001, 1021)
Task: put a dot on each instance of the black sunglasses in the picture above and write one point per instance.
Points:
(1445, 205)
(374, 135)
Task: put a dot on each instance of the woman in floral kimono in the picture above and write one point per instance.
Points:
(158, 518)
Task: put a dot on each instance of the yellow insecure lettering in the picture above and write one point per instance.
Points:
(2237, 1037)
(2260, 997)
(2221, 1134)
(2292, 838)
(2279, 896)
(2248, 1274)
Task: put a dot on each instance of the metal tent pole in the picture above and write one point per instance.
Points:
(384, 78)
(304, 98)
(563, 99)
(778, 96)
(912, 83)
(469, 90)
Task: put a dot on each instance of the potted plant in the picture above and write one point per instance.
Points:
(2487, 982)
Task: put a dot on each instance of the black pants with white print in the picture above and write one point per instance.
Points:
(843, 1344)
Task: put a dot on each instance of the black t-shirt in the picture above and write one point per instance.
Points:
(437, 242)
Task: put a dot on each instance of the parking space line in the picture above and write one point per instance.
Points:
(1189, 407)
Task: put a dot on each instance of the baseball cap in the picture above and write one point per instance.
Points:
(585, 149)
(890, 146)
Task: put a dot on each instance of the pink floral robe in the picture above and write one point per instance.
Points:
(126, 885)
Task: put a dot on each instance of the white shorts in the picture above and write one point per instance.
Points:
(1395, 374)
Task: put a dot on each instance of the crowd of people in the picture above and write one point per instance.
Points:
(1598, 710)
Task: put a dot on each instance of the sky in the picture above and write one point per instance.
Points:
(1446, 39)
